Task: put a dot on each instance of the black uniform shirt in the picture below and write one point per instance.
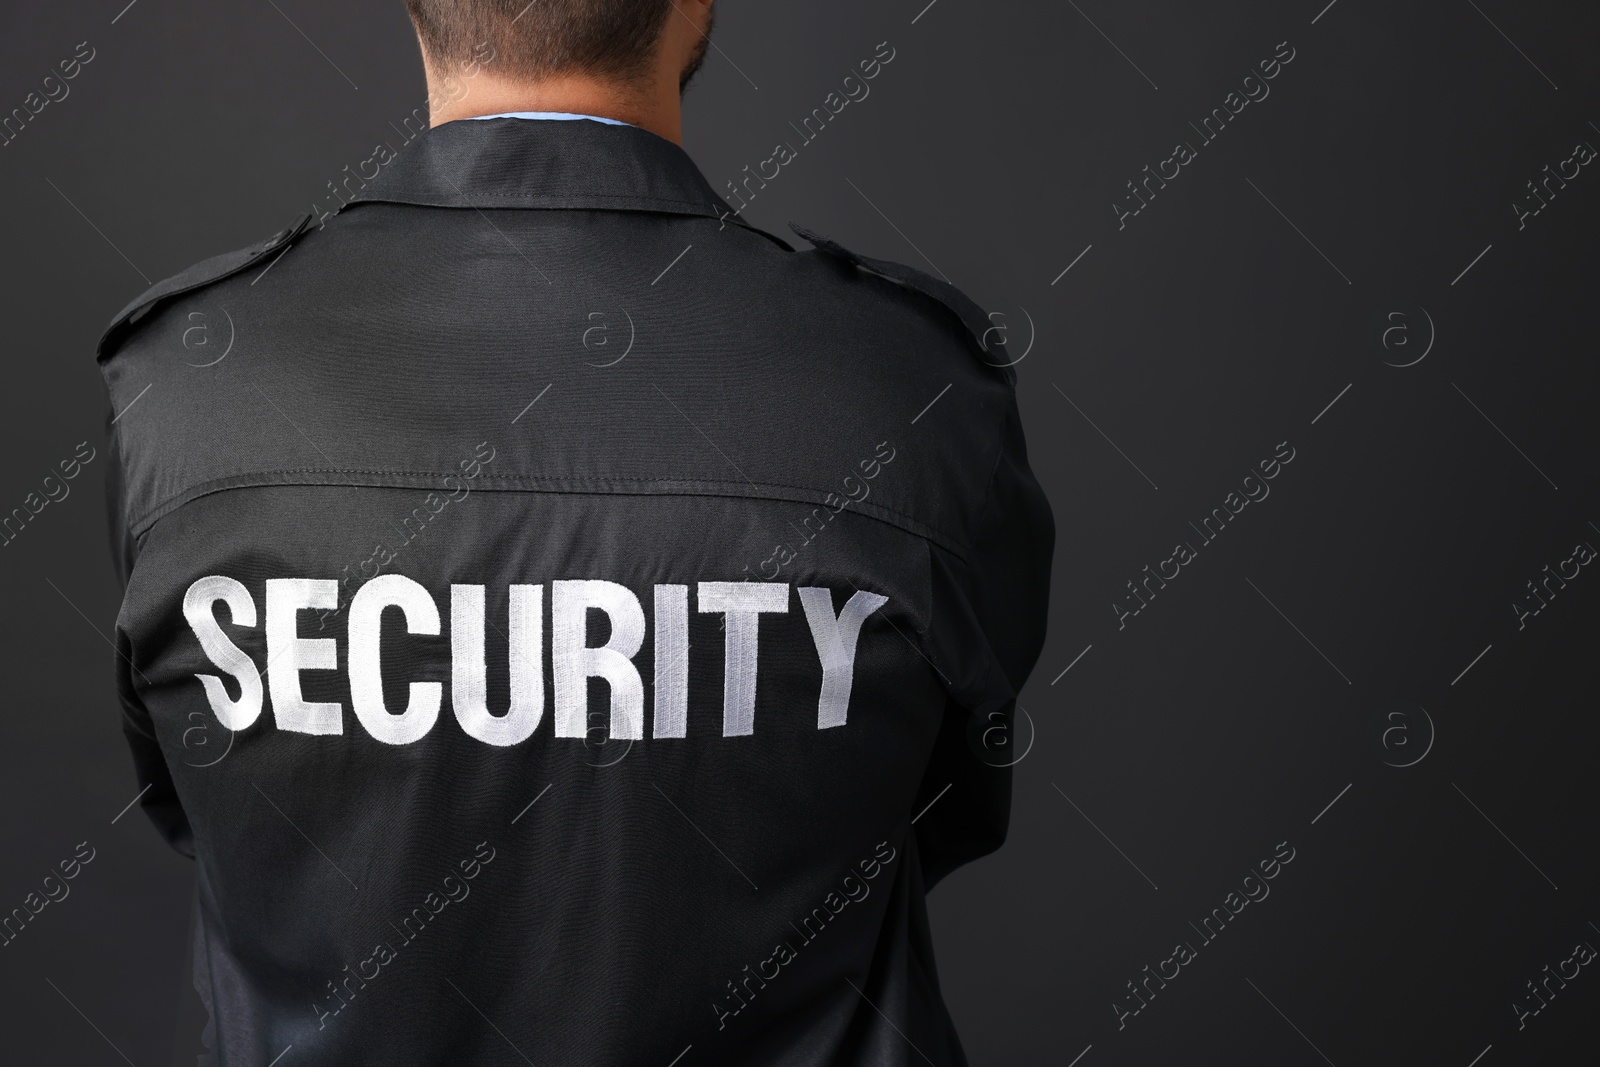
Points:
(549, 603)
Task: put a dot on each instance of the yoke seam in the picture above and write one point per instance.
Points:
(690, 486)
(381, 198)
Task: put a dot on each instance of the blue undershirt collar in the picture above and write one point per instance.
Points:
(551, 116)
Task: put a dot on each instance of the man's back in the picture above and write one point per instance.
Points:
(547, 617)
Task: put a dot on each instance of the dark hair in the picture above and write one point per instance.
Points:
(539, 38)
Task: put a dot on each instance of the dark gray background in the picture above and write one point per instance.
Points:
(1176, 752)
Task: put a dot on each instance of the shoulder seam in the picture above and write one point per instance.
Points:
(972, 317)
(200, 274)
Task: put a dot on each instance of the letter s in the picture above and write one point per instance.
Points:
(197, 610)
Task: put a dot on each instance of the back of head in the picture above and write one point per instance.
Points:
(537, 39)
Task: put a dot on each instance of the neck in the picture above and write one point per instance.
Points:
(652, 103)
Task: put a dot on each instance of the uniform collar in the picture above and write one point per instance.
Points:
(509, 163)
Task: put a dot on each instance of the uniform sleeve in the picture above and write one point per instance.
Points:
(160, 799)
(990, 604)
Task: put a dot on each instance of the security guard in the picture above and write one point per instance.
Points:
(565, 623)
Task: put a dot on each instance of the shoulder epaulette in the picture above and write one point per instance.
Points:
(202, 273)
(978, 324)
